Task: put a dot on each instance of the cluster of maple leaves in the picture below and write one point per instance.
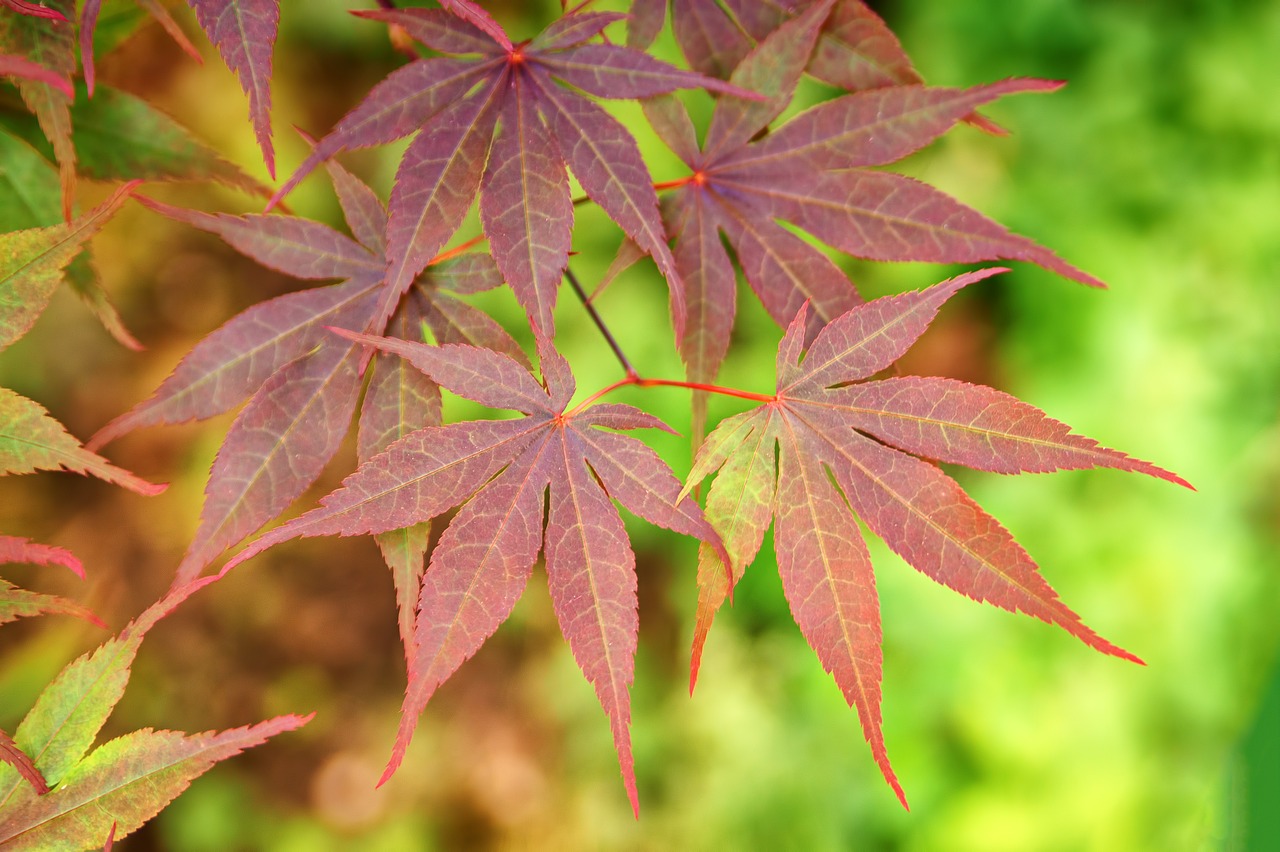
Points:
(503, 125)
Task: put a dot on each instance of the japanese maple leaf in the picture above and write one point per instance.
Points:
(95, 793)
(244, 31)
(16, 602)
(302, 383)
(47, 41)
(499, 471)
(495, 120)
(834, 446)
(855, 49)
(814, 171)
(89, 21)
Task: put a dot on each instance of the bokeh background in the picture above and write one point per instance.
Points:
(1157, 169)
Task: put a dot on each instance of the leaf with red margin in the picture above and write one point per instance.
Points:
(473, 14)
(277, 446)
(62, 725)
(499, 471)
(812, 171)
(519, 103)
(32, 263)
(13, 756)
(302, 382)
(126, 782)
(31, 440)
(244, 31)
(829, 474)
(18, 603)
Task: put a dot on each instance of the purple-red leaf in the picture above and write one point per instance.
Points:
(244, 31)
(773, 68)
(591, 574)
(297, 247)
(435, 186)
(473, 14)
(400, 400)
(870, 338)
(541, 127)
(526, 207)
(826, 575)
(232, 363)
(364, 211)
(977, 427)
(612, 71)
(875, 127)
(572, 30)
(478, 571)
(275, 449)
(607, 162)
(885, 216)
(397, 106)
(501, 471)
(646, 20)
(435, 28)
(828, 474)
(710, 43)
(490, 378)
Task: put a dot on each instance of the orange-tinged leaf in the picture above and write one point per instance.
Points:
(126, 782)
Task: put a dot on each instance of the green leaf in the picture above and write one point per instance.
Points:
(31, 440)
(32, 264)
(125, 783)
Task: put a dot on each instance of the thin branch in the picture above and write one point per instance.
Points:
(599, 321)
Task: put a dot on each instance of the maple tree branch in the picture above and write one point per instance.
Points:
(599, 321)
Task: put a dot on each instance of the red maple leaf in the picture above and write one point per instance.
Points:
(499, 471)
(833, 446)
(496, 121)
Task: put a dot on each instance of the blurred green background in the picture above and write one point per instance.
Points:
(1157, 169)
